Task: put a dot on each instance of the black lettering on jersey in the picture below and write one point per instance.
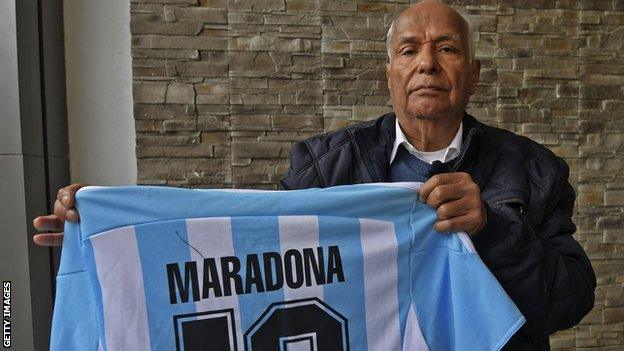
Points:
(273, 261)
(293, 270)
(183, 288)
(334, 265)
(230, 274)
(314, 262)
(306, 321)
(211, 279)
(253, 275)
(309, 266)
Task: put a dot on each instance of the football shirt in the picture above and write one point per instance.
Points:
(355, 267)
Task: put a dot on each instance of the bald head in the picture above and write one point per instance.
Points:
(428, 10)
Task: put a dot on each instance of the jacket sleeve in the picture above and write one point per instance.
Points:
(303, 172)
(542, 268)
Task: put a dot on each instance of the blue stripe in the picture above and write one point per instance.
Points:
(422, 220)
(347, 297)
(148, 204)
(255, 235)
(171, 247)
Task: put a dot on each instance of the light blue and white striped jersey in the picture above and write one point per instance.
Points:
(355, 267)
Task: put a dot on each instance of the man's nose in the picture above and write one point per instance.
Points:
(427, 60)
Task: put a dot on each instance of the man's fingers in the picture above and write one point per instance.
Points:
(72, 215)
(437, 180)
(48, 223)
(457, 201)
(63, 210)
(60, 210)
(452, 224)
(453, 209)
(67, 194)
(65, 213)
(444, 193)
(469, 223)
(48, 239)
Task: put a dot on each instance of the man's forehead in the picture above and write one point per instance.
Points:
(420, 22)
(416, 37)
(431, 17)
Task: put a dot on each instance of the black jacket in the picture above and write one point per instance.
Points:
(527, 242)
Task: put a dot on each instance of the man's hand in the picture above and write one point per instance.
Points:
(457, 201)
(52, 225)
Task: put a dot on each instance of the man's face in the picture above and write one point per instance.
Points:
(430, 75)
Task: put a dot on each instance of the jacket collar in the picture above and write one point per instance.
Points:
(450, 152)
(472, 132)
(376, 140)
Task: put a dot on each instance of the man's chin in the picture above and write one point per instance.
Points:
(427, 107)
(429, 113)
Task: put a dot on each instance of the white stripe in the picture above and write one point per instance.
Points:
(465, 238)
(298, 232)
(120, 274)
(212, 237)
(379, 250)
(414, 186)
(90, 187)
(414, 339)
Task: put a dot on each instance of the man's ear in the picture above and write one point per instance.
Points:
(388, 74)
(476, 72)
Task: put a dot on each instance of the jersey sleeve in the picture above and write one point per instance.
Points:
(459, 303)
(74, 322)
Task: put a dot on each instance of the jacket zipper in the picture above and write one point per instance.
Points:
(461, 158)
(469, 137)
(511, 200)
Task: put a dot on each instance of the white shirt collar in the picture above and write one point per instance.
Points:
(444, 155)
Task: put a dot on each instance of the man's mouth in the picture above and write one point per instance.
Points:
(425, 88)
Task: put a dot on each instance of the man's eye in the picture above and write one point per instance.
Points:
(408, 52)
(447, 49)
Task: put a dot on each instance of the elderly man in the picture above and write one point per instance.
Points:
(509, 193)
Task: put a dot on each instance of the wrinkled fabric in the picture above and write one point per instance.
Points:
(152, 268)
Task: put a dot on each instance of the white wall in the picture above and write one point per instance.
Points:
(99, 91)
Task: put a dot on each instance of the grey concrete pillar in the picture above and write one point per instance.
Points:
(33, 159)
